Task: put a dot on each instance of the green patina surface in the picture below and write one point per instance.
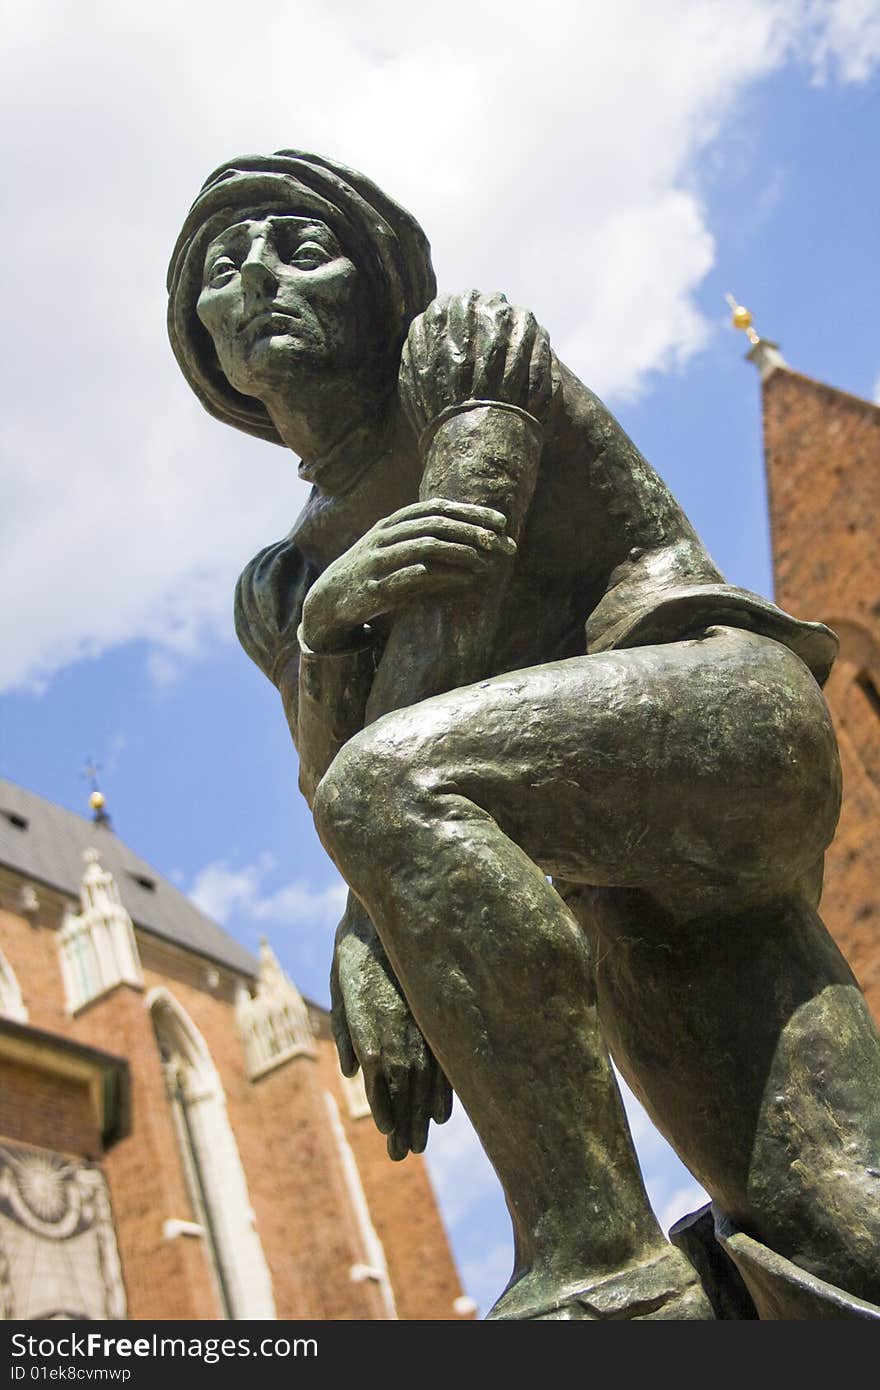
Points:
(505, 656)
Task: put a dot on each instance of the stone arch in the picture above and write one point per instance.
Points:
(211, 1161)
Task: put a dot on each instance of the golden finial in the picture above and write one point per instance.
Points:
(741, 318)
(97, 799)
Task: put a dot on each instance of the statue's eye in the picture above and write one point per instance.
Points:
(309, 255)
(221, 271)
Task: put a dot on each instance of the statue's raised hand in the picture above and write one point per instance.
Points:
(374, 1029)
(428, 548)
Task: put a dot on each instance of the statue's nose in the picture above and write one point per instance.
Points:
(257, 274)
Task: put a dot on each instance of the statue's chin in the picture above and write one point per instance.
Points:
(278, 368)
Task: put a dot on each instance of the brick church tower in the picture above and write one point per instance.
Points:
(822, 454)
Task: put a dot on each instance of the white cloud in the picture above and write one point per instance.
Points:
(682, 1201)
(844, 36)
(460, 1171)
(672, 1190)
(299, 904)
(487, 1272)
(222, 892)
(473, 1207)
(555, 160)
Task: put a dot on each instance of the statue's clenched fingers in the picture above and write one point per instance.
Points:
(445, 506)
(426, 550)
(378, 1095)
(420, 1087)
(441, 1096)
(348, 1062)
(447, 528)
(397, 1076)
(412, 580)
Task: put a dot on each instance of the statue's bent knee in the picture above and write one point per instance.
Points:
(803, 808)
(779, 788)
(338, 797)
(355, 801)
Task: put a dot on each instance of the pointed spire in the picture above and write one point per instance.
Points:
(764, 353)
(274, 1022)
(273, 982)
(98, 945)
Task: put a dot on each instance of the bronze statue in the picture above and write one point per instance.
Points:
(504, 654)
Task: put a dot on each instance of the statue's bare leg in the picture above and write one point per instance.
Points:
(694, 786)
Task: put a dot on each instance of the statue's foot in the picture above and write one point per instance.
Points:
(665, 1287)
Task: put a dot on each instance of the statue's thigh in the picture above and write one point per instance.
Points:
(700, 762)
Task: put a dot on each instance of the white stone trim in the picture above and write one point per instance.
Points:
(374, 1266)
(12, 1003)
(172, 1228)
(280, 1058)
(766, 357)
(355, 1095)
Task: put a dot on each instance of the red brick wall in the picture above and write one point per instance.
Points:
(32, 952)
(52, 1112)
(404, 1212)
(164, 1278)
(822, 450)
(314, 1243)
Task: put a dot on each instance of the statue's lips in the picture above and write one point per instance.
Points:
(269, 321)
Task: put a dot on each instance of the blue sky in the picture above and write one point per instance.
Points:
(616, 171)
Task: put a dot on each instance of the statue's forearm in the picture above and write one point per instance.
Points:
(324, 697)
(486, 454)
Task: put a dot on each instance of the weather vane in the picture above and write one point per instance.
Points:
(741, 318)
(97, 799)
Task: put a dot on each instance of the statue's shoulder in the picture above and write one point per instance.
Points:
(269, 595)
(475, 346)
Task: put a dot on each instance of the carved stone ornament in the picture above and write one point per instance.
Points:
(58, 1255)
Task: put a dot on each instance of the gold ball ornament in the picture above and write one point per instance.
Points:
(741, 317)
(97, 800)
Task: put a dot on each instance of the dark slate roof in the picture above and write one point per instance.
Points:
(49, 849)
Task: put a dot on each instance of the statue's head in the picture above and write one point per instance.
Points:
(291, 265)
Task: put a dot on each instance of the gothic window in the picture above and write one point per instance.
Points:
(853, 691)
(11, 1002)
(870, 691)
(865, 726)
(211, 1162)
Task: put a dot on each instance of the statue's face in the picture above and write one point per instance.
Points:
(280, 298)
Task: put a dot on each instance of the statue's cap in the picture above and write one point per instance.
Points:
(384, 240)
